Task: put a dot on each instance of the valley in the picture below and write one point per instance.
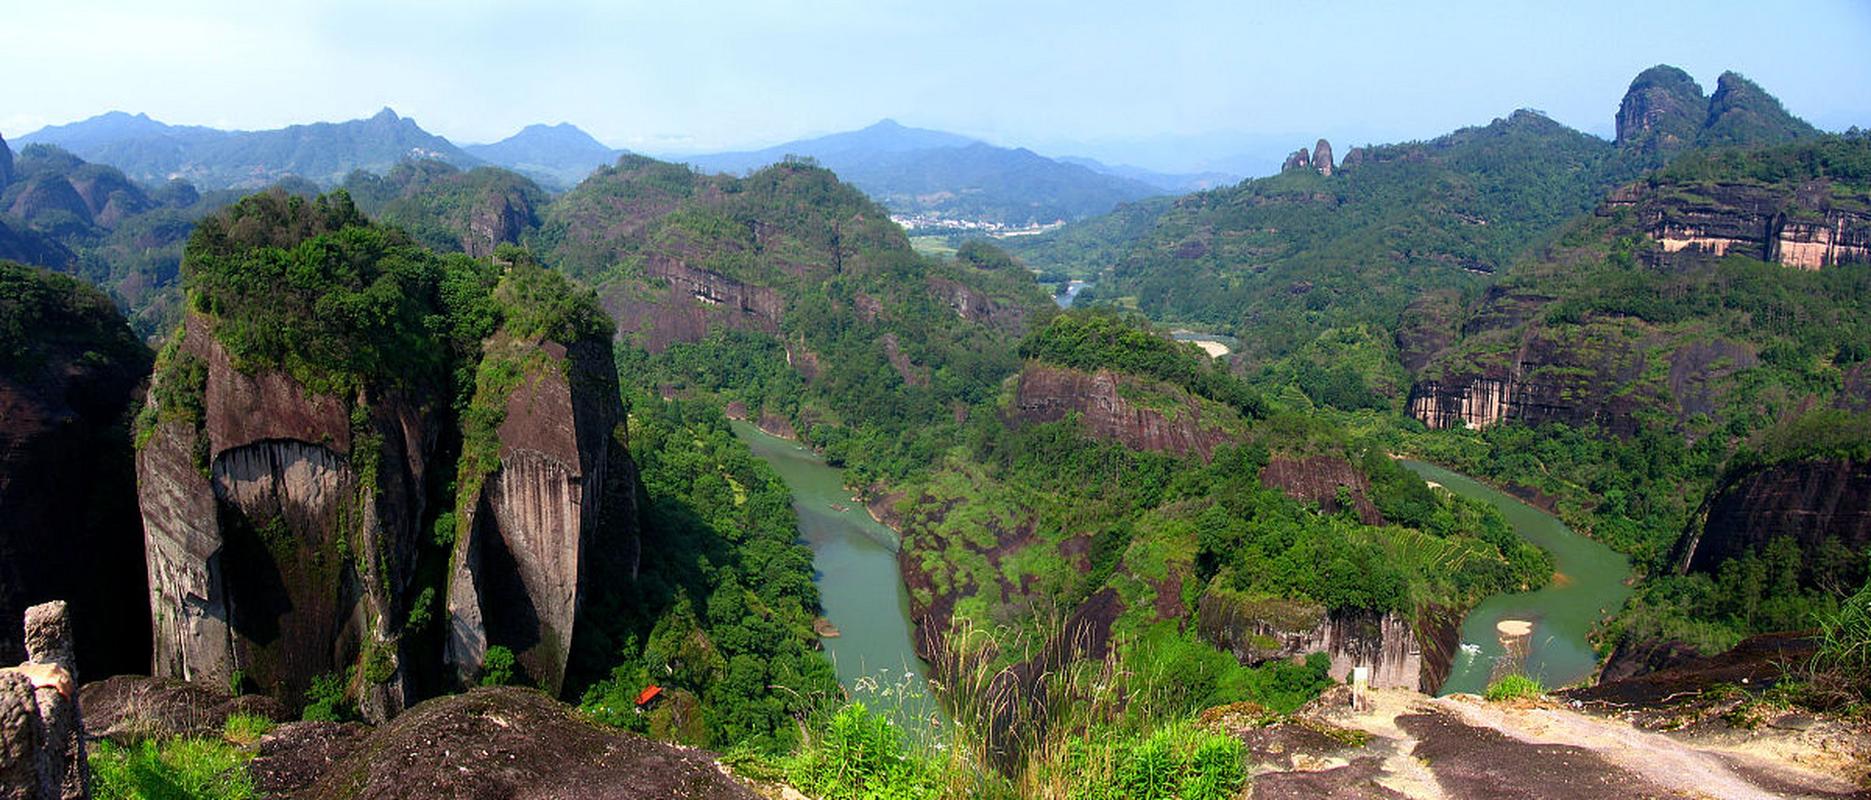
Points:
(341, 461)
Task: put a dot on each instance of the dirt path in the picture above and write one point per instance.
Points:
(1460, 747)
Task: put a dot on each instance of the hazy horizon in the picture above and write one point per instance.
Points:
(1181, 87)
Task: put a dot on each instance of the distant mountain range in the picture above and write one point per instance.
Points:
(924, 173)
(913, 172)
(324, 152)
(558, 155)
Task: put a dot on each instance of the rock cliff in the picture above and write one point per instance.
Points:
(1812, 501)
(1400, 653)
(1319, 479)
(1300, 159)
(1322, 157)
(1814, 226)
(69, 527)
(553, 499)
(281, 528)
(1111, 406)
(1662, 112)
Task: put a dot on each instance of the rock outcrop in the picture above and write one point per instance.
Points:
(42, 736)
(509, 743)
(1101, 399)
(1300, 159)
(1811, 501)
(1809, 228)
(690, 302)
(1662, 112)
(1322, 157)
(1399, 653)
(520, 561)
(68, 521)
(1319, 480)
(281, 528)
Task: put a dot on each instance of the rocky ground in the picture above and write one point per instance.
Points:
(1403, 744)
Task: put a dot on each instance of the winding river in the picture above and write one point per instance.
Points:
(1588, 583)
(855, 561)
(864, 598)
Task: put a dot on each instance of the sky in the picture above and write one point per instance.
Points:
(1160, 83)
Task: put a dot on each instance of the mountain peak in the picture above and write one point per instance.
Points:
(1662, 110)
(1742, 113)
(886, 124)
(386, 115)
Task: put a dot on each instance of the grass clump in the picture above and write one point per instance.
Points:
(245, 729)
(175, 769)
(1514, 686)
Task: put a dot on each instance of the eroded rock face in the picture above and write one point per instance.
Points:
(1047, 393)
(1805, 229)
(508, 743)
(520, 565)
(1810, 501)
(271, 551)
(68, 522)
(1662, 111)
(1322, 157)
(1300, 159)
(1257, 631)
(1318, 479)
(42, 734)
(696, 300)
(499, 217)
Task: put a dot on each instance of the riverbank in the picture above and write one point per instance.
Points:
(1548, 631)
(855, 567)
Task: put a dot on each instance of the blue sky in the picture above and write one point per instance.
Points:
(1171, 85)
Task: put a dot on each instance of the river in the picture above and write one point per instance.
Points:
(855, 563)
(1588, 584)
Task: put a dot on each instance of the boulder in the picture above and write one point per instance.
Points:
(1322, 157)
(1300, 159)
(498, 743)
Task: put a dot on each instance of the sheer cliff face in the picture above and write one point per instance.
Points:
(1110, 406)
(1515, 361)
(1809, 228)
(560, 493)
(281, 530)
(1257, 631)
(68, 523)
(1810, 501)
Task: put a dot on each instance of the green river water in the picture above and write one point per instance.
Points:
(855, 561)
(864, 598)
(1588, 584)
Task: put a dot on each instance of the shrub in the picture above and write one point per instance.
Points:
(1514, 686)
(497, 667)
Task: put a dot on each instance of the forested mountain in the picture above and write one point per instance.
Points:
(1325, 244)
(1170, 182)
(793, 294)
(323, 152)
(1290, 255)
(449, 209)
(560, 155)
(913, 171)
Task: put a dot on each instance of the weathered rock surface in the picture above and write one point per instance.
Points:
(268, 552)
(506, 743)
(68, 521)
(130, 708)
(1662, 112)
(1397, 653)
(1810, 501)
(1400, 744)
(42, 734)
(1047, 393)
(691, 303)
(1322, 157)
(520, 565)
(1809, 228)
(1298, 160)
(1318, 479)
